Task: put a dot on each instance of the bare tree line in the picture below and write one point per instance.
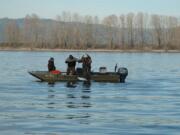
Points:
(73, 31)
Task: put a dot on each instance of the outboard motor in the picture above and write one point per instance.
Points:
(123, 72)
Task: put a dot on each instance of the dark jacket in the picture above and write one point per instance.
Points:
(71, 61)
(51, 65)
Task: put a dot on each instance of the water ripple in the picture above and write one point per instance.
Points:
(147, 104)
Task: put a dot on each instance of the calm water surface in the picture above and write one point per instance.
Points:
(148, 103)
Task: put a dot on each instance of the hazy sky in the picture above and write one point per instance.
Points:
(51, 8)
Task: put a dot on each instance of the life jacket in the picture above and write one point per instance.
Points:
(55, 72)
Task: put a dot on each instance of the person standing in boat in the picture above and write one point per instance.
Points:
(86, 65)
(71, 63)
(51, 66)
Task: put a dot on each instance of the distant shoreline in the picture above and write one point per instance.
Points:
(89, 50)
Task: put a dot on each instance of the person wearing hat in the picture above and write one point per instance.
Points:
(71, 63)
(51, 66)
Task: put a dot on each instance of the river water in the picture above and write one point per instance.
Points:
(147, 104)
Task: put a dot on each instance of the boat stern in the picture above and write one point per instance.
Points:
(123, 73)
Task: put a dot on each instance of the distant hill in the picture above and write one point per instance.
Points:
(20, 22)
(3, 22)
(68, 35)
(48, 23)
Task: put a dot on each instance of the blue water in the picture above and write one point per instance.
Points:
(147, 104)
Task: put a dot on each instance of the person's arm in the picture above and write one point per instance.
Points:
(80, 60)
(90, 60)
(76, 59)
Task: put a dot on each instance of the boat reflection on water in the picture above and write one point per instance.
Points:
(51, 97)
(86, 84)
(74, 97)
(79, 98)
(82, 118)
(71, 84)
